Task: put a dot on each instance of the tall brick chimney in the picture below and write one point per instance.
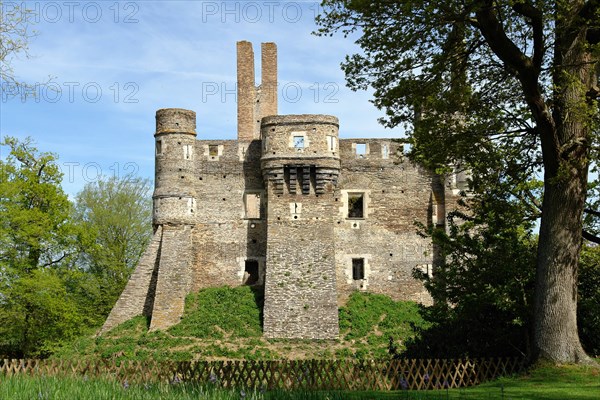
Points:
(268, 85)
(255, 102)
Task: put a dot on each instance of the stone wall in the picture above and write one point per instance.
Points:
(300, 291)
(396, 194)
(246, 92)
(301, 171)
(224, 237)
(255, 102)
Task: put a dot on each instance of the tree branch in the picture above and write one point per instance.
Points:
(499, 42)
(526, 9)
(56, 261)
(588, 236)
(523, 68)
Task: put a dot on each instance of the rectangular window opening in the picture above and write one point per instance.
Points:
(361, 149)
(187, 151)
(158, 147)
(250, 273)
(356, 205)
(358, 269)
(213, 150)
(252, 205)
(331, 143)
(299, 142)
(385, 151)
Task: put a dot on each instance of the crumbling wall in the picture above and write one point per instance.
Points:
(224, 237)
(396, 195)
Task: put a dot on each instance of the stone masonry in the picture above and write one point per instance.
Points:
(289, 206)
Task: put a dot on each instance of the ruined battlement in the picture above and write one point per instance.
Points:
(290, 206)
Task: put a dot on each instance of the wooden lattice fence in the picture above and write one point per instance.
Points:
(286, 374)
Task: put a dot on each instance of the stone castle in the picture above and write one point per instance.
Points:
(288, 205)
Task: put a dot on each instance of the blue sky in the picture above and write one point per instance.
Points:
(114, 63)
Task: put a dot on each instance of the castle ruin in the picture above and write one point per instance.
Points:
(288, 205)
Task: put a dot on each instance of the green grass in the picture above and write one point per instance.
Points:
(213, 313)
(225, 323)
(549, 382)
(370, 320)
(544, 382)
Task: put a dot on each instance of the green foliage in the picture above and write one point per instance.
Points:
(47, 388)
(216, 312)
(370, 321)
(60, 275)
(507, 90)
(35, 230)
(588, 314)
(38, 314)
(37, 242)
(484, 284)
(543, 382)
(135, 325)
(115, 225)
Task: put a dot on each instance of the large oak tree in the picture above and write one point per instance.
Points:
(511, 83)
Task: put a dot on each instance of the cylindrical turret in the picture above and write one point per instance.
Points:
(174, 195)
(305, 147)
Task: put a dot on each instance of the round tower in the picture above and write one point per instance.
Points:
(174, 195)
(304, 147)
(300, 164)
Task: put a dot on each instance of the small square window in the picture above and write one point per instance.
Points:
(358, 269)
(299, 142)
(356, 205)
(213, 150)
(361, 150)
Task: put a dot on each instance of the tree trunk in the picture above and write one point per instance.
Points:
(565, 150)
(555, 328)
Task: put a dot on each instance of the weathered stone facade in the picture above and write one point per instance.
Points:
(289, 206)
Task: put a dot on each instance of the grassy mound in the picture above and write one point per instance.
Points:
(369, 321)
(225, 323)
(214, 313)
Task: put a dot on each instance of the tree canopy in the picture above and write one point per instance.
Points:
(506, 89)
(62, 265)
(115, 216)
(37, 240)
